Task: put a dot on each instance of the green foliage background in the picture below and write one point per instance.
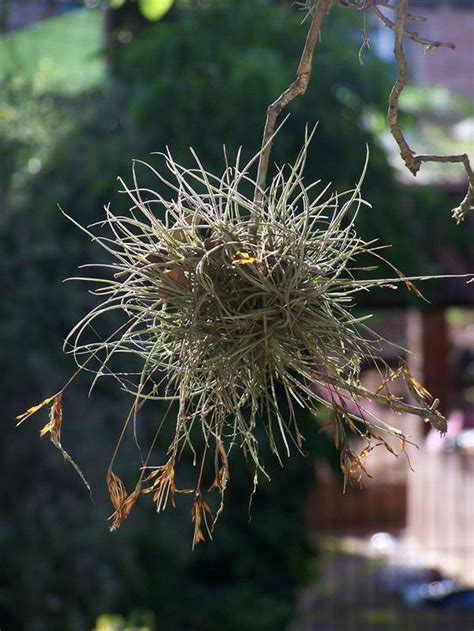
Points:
(201, 78)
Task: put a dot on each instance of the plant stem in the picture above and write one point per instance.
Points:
(299, 86)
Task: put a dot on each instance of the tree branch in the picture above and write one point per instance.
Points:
(410, 34)
(362, 5)
(298, 87)
(409, 16)
(412, 160)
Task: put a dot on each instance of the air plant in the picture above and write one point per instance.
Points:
(228, 302)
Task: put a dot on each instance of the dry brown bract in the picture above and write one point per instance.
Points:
(201, 515)
(53, 428)
(55, 421)
(120, 499)
(163, 485)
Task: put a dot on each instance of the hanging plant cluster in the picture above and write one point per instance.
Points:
(226, 302)
(240, 310)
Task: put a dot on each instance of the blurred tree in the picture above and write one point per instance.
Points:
(4, 15)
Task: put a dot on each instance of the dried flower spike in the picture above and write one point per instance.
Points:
(163, 485)
(201, 513)
(120, 499)
(55, 421)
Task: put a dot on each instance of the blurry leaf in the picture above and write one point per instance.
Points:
(155, 9)
(116, 4)
(109, 622)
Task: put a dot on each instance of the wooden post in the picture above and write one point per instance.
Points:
(436, 360)
(428, 341)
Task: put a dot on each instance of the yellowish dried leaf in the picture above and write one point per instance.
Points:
(420, 393)
(22, 417)
(383, 442)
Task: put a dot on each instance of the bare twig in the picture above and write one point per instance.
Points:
(409, 16)
(413, 161)
(298, 87)
(362, 5)
(409, 34)
(402, 79)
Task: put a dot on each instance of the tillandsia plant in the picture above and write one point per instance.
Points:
(241, 310)
(226, 302)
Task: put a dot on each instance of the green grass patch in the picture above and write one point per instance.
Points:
(63, 52)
